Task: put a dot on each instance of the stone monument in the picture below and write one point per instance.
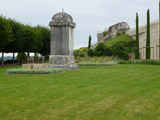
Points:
(62, 42)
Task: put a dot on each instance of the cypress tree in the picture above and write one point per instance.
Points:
(159, 30)
(148, 36)
(137, 37)
(89, 42)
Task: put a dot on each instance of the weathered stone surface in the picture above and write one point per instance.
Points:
(62, 42)
(61, 59)
(113, 31)
(35, 66)
(27, 66)
(62, 19)
(154, 37)
(154, 40)
(119, 28)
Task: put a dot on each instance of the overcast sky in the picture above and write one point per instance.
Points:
(91, 16)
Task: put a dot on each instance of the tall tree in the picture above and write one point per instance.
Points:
(5, 35)
(16, 44)
(45, 50)
(137, 37)
(159, 30)
(148, 36)
(89, 42)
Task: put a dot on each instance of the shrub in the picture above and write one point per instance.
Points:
(95, 59)
(120, 51)
(80, 52)
(105, 32)
(107, 51)
(97, 64)
(99, 49)
(22, 56)
(90, 53)
(34, 71)
(149, 62)
(118, 34)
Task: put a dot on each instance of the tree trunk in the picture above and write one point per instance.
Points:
(38, 57)
(28, 57)
(18, 58)
(159, 30)
(35, 57)
(2, 59)
(13, 57)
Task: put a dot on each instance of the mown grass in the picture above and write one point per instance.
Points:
(122, 92)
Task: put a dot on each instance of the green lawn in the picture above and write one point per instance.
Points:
(122, 92)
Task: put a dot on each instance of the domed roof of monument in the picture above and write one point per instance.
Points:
(62, 17)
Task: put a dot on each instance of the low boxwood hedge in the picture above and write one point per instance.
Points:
(97, 64)
(149, 62)
(34, 71)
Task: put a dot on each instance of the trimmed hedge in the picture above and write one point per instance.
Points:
(34, 71)
(97, 64)
(149, 62)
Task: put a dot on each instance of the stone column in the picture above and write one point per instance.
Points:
(62, 42)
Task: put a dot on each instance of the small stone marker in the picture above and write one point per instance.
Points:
(62, 42)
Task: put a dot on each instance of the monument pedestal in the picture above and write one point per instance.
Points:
(63, 61)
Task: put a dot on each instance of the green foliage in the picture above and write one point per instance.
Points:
(97, 63)
(90, 53)
(148, 36)
(21, 56)
(102, 50)
(45, 32)
(119, 46)
(159, 29)
(5, 33)
(149, 62)
(120, 51)
(105, 32)
(89, 42)
(34, 71)
(124, 39)
(107, 51)
(118, 34)
(137, 38)
(18, 37)
(104, 59)
(80, 52)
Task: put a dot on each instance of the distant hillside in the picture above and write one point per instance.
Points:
(127, 41)
(119, 39)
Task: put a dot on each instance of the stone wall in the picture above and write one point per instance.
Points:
(122, 27)
(154, 43)
(35, 66)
